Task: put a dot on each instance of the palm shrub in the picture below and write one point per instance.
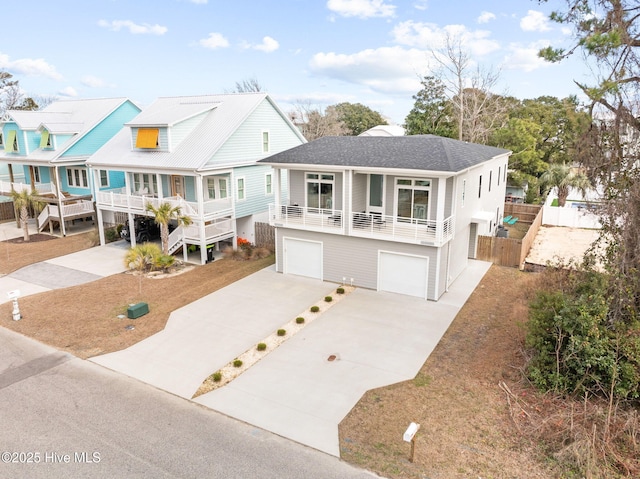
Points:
(142, 257)
(22, 201)
(163, 214)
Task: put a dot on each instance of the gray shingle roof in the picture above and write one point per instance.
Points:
(416, 152)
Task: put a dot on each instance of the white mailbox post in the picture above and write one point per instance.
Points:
(410, 436)
(13, 296)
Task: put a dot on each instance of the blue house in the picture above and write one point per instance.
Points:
(198, 153)
(46, 151)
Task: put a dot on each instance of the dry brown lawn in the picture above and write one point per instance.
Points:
(83, 320)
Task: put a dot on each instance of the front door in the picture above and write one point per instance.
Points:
(177, 186)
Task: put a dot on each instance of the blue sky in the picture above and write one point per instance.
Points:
(311, 52)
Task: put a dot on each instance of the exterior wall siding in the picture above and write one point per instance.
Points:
(245, 144)
(350, 257)
(104, 131)
(256, 200)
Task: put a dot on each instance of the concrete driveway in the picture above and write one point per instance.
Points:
(64, 271)
(378, 338)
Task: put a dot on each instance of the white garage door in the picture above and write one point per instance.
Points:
(303, 258)
(402, 273)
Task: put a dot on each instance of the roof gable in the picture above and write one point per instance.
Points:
(416, 152)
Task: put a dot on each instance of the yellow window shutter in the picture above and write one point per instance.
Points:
(11, 145)
(147, 138)
(44, 139)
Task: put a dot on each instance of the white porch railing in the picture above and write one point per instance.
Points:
(41, 188)
(402, 229)
(316, 219)
(118, 198)
(367, 225)
(76, 210)
(191, 234)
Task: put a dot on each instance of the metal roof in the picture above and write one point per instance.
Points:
(225, 114)
(415, 152)
(74, 117)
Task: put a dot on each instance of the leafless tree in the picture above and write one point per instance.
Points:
(477, 110)
(248, 85)
(315, 123)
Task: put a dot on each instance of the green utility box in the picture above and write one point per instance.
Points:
(136, 310)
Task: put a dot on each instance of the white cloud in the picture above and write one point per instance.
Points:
(361, 8)
(29, 67)
(214, 41)
(134, 28)
(387, 69)
(486, 17)
(268, 45)
(94, 82)
(535, 21)
(68, 92)
(429, 36)
(525, 57)
(421, 4)
(199, 2)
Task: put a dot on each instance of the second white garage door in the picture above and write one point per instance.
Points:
(403, 273)
(302, 257)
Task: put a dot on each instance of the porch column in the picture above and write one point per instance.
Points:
(277, 173)
(347, 198)
(63, 229)
(440, 203)
(203, 233)
(100, 226)
(132, 229)
(160, 192)
(11, 178)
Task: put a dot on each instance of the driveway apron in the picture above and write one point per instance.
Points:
(64, 271)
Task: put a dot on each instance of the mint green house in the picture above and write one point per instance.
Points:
(46, 151)
(199, 153)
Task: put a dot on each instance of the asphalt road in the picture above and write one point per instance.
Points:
(62, 417)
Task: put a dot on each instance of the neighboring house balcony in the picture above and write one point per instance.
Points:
(42, 189)
(120, 200)
(362, 224)
(58, 206)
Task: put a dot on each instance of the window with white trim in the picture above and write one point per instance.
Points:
(265, 142)
(499, 173)
(36, 174)
(216, 188)
(268, 184)
(480, 187)
(240, 193)
(211, 188)
(320, 190)
(490, 178)
(412, 199)
(77, 177)
(145, 183)
(104, 178)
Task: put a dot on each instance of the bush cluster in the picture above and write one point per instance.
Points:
(573, 346)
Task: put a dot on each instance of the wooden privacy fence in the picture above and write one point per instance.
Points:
(508, 251)
(265, 235)
(7, 212)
